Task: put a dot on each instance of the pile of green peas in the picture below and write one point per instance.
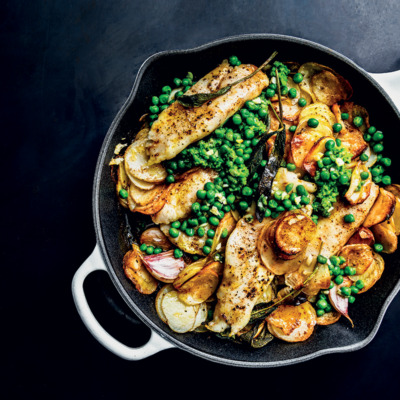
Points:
(150, 249)
(208, 212)
(292, 198)
(375, 140)
(163, 101)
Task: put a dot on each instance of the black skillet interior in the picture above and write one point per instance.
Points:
(160, 70)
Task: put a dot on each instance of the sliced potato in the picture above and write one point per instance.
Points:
(324, 84)
(329, 318)
(292, 323)
(145, 197)
(160, 295)
(292, 233)
(201, 316)
(316, 152)
(395, 189)
(385, 234)
(189, 272)
(382, 209)
(319, 111)
(302, 142)
(320, 281)
(156, 204)
(140, 183)
(372, 275)
(181, 318)
(137, 273)
(226, 226)
(284, 177)
(199, 288)
(359, 189)
(358, 256)
(154, 237)
(362, 236)
(136, 163)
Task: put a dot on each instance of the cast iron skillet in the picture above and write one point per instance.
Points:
(158, 70)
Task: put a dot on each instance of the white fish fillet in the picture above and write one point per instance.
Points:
(244, 281)
(182, 194)
(177, 127)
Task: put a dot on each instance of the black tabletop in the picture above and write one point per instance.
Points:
(67, 68)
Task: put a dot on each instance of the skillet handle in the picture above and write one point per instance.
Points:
(154, 345)
(390, 82)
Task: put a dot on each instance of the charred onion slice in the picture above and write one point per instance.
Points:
(292, 323)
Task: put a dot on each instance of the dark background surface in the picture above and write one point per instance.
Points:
(67, 68)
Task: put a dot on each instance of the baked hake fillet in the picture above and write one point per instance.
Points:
(244, 280)
(177, 127)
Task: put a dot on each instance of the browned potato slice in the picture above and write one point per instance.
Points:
(362, 236)
(161, 293)
(359, 256)
(201, 316)
(329, 88)
(320, 281)
(372, 275)
(329, 318)
(189, 272)
(395, 189)
(353, 140)
(227, 224)
(154, 237)
(154, 206)
(141, 184)
(292, 233)
(180, 317)
(142, 197)
(382, 209)
(385, 234)
(357, 194)
(324, 84)
(136, 163)
(302, 143)
(292, 323)
(137, 273)
(315, 154)
(198, 289)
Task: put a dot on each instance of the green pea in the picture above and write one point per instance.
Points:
(298, 77)
(200, 231)
(254, 141)
(150, 250)
(337, 127)
(302, 102)
(371, 130)
(320, 312)
(334, 260)
(321, 259)
(339, 280)
(176, 225)
(345, 291)
(244, 205)
(239, 160)
(291, 167)
(263, 112)
(325, 176)
(305, 200)
(123, 194)
(352, 299)
(154, 109)
(205, 208)
(354, 289)
(178, 253)
(237, 119)
(367, 137)
(201, 194)
(213, 221)
(359, 284)
(209, 242)
(280, 209)
(202, 220)
(164, 100)
(210, 194)
(322, 304)
(378, 136)
(378, 247)
(332, 285)
(233, 60)
(377, 179)
(301, 190)
(193, 221)
(344, 116)
(143, 247)
(364, 157)
(174, 232)
(287, 203)
(178, 94)
(273, 86)
(330, 145)
(170, 179)
(246, 191)
(267, 213)
(272, 203)
(364, 175)
(293, 128)
(336, 271)
(343, 179)
(292, 93)
(270, 93)
(284, 90)
(278, 195)
(349, 218)
(177, 82)
(206, 249)
(347, 270)
(358, 121)
(387, 180)
(387, 162)
(289, 187)
(378, 148)
(155, 100)
(342, 260)
(224, 233)
(312, 122)
(158, 250)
